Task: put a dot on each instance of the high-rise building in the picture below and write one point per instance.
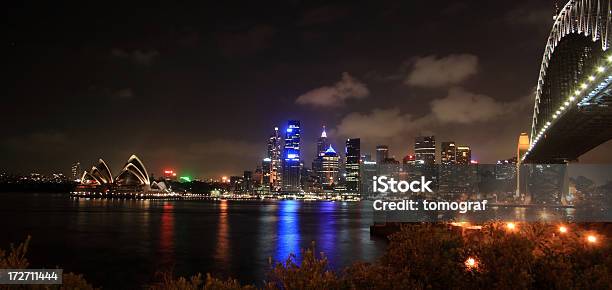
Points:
(353, 153)
(75, 170)
(464, 155)
(322, 143)
(382, 153)
(369, 169)
(291, 158)
(425, 150)
(274, 164)
(330, 167)
(247, 178)
(317, 163)
(448, 153)
(266, 166)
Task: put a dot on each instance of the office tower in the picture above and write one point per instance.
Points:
(291, 158)
(236, 183)
(75, 170)
(257, 178)
(368, 170)
(448, 153)
(353, 153)
(275, 163)
(425, 150)
(330, 166)
(464, 155)
(266, 166)
(322, 145)
(247, 177)
(382, 153)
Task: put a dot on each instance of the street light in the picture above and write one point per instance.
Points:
(562, 229)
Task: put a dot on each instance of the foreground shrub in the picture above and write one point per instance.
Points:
(16, 259)
(423, 256)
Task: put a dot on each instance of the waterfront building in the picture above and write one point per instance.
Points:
(266, 177)
(353, 153)
(322, 145)
(368, 170)
(275, 161)
(132, 181)
(248, 181)
(291, 158)
(330, 168)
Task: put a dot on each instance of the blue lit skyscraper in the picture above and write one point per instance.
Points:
(291, 157)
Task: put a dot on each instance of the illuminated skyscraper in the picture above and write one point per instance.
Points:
(448, 153)
(322, 145)
(382, 153)
(266, 166)
(330, 167)
(425, 150)
(464, 155)
(353, 153)
(274, 163)
(291, 158)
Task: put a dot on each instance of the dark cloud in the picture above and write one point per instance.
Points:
(461, 106)
(336, 95)
(125, 93)
(248, 42)
(431, 71)
(231, 71)
(323, 15)
(141, 57)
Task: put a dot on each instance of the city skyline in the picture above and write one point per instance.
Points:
(203, 86)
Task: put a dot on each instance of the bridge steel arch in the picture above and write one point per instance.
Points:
(572, 112)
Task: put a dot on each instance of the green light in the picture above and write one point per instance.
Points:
(186, 178)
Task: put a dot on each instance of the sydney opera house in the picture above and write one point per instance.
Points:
(132, 181)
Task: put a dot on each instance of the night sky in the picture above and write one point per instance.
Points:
(198, 85)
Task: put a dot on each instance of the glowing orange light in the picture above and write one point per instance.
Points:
(591, 239)
(511, 226)
(562, 229)
(471, 263)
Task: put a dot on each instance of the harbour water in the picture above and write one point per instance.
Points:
(120, 244)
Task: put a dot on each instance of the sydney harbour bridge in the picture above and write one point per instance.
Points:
(572, 112)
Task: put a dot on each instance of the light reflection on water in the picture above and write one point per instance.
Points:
(288, 233)
(132, 239)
